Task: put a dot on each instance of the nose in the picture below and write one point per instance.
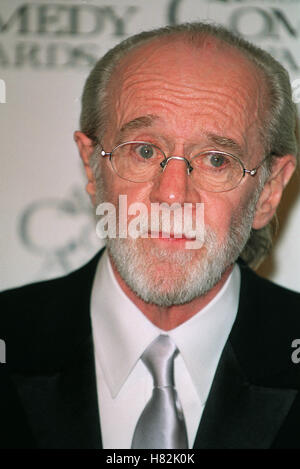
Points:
(172, 184)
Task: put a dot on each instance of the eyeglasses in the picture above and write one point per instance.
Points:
(212, 171)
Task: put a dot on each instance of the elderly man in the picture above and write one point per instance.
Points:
(152, 344)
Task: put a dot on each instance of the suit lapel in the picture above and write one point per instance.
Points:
(62, 407)
(240, 415)
(56, 383)
(248, 402)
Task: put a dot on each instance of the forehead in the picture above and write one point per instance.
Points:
(212, 88)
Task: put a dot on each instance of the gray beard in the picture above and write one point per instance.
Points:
(165, 278)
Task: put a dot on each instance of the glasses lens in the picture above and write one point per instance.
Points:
(137, 161)
(216, 171)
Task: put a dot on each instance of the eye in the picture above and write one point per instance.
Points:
(217, 160)
(145, 151)
(214, 162)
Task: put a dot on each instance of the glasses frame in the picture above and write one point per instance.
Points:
(252, 172)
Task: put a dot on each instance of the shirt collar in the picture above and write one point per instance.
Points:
(122, 332)
(201, 339)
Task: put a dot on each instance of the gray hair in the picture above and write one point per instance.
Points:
(279, 128)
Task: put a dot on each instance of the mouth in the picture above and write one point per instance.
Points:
(170, 237)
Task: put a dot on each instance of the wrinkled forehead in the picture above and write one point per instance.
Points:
(176, 67)
(185, 61)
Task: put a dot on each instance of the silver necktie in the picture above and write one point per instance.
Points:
(161, 424)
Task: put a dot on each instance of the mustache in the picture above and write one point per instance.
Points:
(159, 220)
(171, 223)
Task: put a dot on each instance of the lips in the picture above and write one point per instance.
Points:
(169, 236)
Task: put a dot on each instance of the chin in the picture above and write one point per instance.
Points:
(166, 277)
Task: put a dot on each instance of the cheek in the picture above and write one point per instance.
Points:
(114, 186)
(218, 215)
(229, 210)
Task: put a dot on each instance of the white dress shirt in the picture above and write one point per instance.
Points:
(121, 333)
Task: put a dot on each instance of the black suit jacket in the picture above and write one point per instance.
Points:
(48, 395)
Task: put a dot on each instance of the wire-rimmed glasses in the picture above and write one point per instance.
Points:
(212, 170)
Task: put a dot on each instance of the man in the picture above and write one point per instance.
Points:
(183, 115)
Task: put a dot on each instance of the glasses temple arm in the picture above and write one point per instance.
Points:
(253, 171)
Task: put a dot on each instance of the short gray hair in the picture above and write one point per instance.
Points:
(279, 129)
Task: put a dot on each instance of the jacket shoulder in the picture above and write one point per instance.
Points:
(267, 323)
(34, 295)
(268, 293)
(40, 316)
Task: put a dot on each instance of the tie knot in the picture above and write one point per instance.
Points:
(159, 359)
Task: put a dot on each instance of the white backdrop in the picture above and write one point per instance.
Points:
(46, 51)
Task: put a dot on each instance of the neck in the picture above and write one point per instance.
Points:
(167, 318)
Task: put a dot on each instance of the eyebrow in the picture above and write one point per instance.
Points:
(137, 123)
(225, 142)
(141, 122)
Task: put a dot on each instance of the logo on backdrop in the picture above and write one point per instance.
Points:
(274, 28)
(35, 25)
(59, 230)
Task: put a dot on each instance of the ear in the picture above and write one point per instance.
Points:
(86, 147)
(281, 172)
